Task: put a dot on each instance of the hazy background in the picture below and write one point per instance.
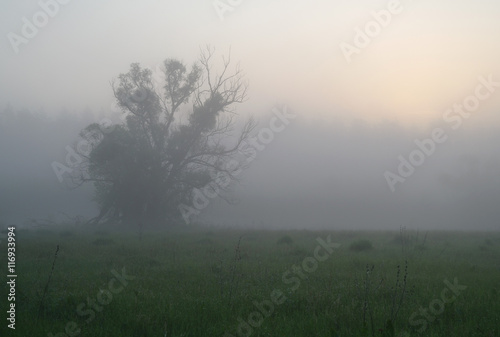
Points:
(353, 119)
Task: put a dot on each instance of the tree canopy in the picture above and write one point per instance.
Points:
(177, 136)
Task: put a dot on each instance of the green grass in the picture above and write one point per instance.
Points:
(199, 282)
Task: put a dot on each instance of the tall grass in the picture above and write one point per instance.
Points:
(177, 290)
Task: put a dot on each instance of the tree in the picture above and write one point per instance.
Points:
(144, 168)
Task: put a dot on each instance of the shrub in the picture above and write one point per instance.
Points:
(65, 234)
(102, 242)
(285, 240)
(361, 245)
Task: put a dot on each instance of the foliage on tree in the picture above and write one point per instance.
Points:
(177, 137)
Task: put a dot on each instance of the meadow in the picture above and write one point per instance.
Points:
(201, 281)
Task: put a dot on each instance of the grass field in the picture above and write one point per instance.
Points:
(221, 282)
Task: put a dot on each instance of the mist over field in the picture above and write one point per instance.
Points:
(231, 168)
(313, 175)
(361, 102)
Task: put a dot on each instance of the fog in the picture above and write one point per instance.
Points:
(312, 175)
(335, 164)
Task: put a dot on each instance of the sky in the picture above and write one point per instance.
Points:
(417, 61)
(423, 60)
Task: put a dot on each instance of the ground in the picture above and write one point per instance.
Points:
(203, 281)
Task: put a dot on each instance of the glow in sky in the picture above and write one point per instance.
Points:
(428, 57)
